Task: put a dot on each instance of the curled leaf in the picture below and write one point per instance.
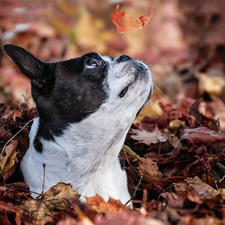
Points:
(149, 170)
(101, 206)
(57, 198)
(8, 159)
(146, 137)
(132, 24)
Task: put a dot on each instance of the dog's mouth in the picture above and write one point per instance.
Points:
(124, 90)
(139, 73)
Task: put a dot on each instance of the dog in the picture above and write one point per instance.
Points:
(85, 107)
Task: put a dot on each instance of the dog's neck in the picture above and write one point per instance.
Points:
(86, 154)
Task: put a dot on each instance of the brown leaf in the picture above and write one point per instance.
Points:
(149, 170)
(98, 203)
(56, 198)
(5, 135)
(199, 186)
(181, 187)
(6, 154)
(175, 142)
(7, 120)
(3, 107)
(8, 207)
(12, 160)
(164, 183)
(148, 138)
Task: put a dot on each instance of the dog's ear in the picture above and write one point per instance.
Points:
(27, 63)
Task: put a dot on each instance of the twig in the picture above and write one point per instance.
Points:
(222, 179)
(14, 137)
(135, 190)
(3, 149)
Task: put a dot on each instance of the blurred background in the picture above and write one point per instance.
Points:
(183, 44)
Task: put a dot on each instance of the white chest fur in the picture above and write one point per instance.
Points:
(86, 156)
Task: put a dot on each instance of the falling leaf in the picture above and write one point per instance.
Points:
(101, 206)
(147, 137)
(133, 24)
(149, 170)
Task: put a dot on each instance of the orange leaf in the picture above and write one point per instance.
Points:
(98, 203)
(133, 24)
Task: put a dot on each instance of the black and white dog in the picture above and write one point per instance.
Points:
(85, 108)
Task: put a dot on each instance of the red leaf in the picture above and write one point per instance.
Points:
(133, 24)
(201, 135)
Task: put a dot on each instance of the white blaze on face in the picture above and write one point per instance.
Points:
(134, 74)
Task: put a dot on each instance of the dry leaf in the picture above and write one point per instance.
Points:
(57, 198)
(101, 206)
(199, 186)
(212, 85)
(7, 152)
(201, 135)
(175, 142)
(149, 170)
(147, 137)
(175, 123)
(149, 110)
(12, 160)
(133, 24)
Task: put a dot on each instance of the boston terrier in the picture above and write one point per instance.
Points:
(85, 107)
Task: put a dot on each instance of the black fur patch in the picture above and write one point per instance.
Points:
(73, 94)
(64, 92)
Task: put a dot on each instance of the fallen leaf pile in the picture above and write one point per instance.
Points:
(182, 170)
(174, 152)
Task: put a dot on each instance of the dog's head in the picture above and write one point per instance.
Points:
(71, 91)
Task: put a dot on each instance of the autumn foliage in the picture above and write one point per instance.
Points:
(132, 24)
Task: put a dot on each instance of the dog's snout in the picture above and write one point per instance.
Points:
(123, 58)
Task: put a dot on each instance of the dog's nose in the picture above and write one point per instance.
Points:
(123, 58)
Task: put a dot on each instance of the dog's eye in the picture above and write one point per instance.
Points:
(123, 92)
(92, 63)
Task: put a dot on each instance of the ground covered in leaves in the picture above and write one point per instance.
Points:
(174, 153)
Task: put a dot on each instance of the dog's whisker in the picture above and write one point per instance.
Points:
(155, 86)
